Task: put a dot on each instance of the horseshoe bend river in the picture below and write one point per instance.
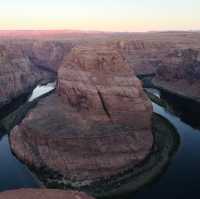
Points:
(181, 177)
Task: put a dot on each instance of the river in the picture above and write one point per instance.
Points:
(181, 179)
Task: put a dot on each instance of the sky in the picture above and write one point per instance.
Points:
(105, 15)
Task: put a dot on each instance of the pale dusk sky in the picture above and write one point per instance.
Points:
(106, 15)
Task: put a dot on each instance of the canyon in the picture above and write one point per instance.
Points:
(72, 134)
(40, 53)
(98, 125)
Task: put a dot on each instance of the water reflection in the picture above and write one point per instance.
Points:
(182, 178)
(13, 174)
(185, 109)
(40, 90)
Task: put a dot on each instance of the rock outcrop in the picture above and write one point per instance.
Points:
(95, 127)
(179, 73)
(43, 194)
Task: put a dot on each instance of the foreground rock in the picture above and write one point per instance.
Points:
(43, 194)
(180, 73)
(96, 127)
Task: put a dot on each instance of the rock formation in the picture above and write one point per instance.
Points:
(43, 194)
(96, 126)
(179, 73)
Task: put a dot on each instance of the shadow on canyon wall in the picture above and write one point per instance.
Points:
(187, 109)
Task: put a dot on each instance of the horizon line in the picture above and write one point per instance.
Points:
(100, 31)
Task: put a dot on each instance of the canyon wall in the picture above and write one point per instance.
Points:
(143, 56)
(145, 52)
(179, 73)
(23, 64)
(172, 56)
(47, 54)
(43, 52)
(17, 74)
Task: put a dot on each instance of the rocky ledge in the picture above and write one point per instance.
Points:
(179, 73)
(43, 194)
(95, 127)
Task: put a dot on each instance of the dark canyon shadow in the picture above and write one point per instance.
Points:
(186, 109)
(1, 133)
(9, 108)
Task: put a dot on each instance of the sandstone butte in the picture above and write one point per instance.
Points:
(96, 126)
(42, 194)
(179, 73)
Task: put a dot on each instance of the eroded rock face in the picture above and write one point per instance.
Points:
(180, 73)
(43, 194)
(97, 125)
(17, 74)
(144, 56)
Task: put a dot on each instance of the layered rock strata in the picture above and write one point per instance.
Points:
(96, 126)
(179, 73)
(144, 56)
